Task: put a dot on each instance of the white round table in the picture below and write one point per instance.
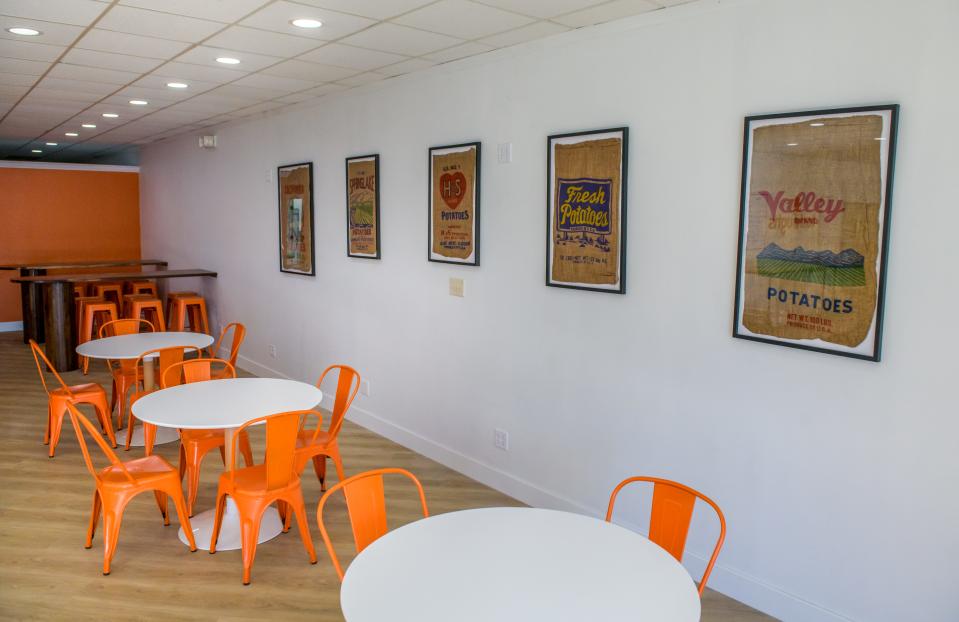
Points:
(128, 347)
(226, 404)
(521, 564)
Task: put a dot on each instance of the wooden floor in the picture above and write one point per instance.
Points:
(46, 574)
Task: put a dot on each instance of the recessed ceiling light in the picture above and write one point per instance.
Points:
(51, 144)
(139, 102)
(177, 85)
(792, 144)
(90, 125)
(110, 115)
(71, 134)
(880, 138)
(36, 150)
(816, 124)
(307, 23)
(26, 32)
(226, 60)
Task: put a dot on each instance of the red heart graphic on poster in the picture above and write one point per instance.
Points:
(453, 188)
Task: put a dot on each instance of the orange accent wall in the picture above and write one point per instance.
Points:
(64, 215)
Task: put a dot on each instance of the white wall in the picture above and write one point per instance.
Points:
(838, 477)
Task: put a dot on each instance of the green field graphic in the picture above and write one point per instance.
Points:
(847, 276)
(363, 213)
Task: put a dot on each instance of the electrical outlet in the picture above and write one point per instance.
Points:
(457, 287)
(504, 153)
(365, 387)
(501, 439)
(272, 351)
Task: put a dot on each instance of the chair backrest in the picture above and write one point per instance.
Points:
(347, 386)
(239, 333)
(366, 504)
(193, 370)
(165, 357)
(39, 356)
(125, 327)
(279, 457)
(670, 516)
(81, 423)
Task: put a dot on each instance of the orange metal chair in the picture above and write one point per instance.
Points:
(59, 398)
(164, 359)
(239, 333)
(192, 308)
(366, 504)
(195, 444)
(255, 488)
(145, 306)
(93, 314)
(119, 482)
(670, 517)
(320, 445)
(125, 373)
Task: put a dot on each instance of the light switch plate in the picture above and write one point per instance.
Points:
(457, 287)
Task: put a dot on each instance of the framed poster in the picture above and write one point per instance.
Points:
(363, 206)
(454, 225)
(295, 195)
(814, 229)
(586, 210)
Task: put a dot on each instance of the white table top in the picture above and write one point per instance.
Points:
(224, 403)
(132, 346)
(522, 564)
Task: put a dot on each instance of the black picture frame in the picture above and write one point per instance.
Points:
(312, 245)
(478, 145)
(623, 131)
(885, 211)
(375, 157)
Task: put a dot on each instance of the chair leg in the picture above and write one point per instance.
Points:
(46, 433)
(337, 461)
(56, 424)
(149, 437)
(249, 533)
(304, 528)
(181, 512)
(217, 520)
(319, 465)
(126, 446)
(94, 519)
(192, 484)
(106, 421)
(161, 498)
(111, 535)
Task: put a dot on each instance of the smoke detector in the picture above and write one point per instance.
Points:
(207, 142)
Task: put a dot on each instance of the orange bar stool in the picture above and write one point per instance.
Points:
(79, 290)
(140, 287)
(119, 482)
(78, 308)
(109, 290)
(144, 306)
(171, 299)
(94, 315)
(194, 309)
(59, 398)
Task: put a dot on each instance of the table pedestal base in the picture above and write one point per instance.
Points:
(270, 527)
(163, 436)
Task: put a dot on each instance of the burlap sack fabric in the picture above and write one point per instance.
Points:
(582, 253)
(810, 168)
(295, 250)
(361, 205)
(453, 215)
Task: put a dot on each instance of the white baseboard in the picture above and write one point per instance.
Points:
(10, 327)
(732, 582)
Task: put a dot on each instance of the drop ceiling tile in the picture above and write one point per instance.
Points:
(187, 72)
(10, 91)
(80, 86)
(277, 17)
(264, 81)
(258, 108)
(406, 66)
(23, 67)
(77, 12)
(360, 59)
(121, 42)
(537, 30)
(156, 98)
(361, 79)
(127, 113)
(216, 10)
(261, 42)
(27, 50)
(313, 72)
(607, 12)
(206, 56)
(377, 9)
(64, 95)
(470, 48)
(249, 93)
(295, 98)
(211, 106)
(154, 24)
(92, 74)
(16, 79)
(459, 18)
(400, 40)
(156, 81)
(50, 33)
(180, 116)
(106, 60)
(543, 8)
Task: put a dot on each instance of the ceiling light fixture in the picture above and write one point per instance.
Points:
(25, 32)
(227, 60)
(792, 144)
(816, 124)
(306, 23)
(51, 144)
(110, 115)
(36, 150)
(177, 85)
(89, 125)
(139, 102)
(71, 134)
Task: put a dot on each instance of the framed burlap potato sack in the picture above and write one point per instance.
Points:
(363, 206)
(814, 229)
(586, 210)
(454, 204)
(295, 206)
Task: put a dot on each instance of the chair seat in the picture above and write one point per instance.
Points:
(305, 438)
(80, 390)
(144, 469)
(251, 481)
